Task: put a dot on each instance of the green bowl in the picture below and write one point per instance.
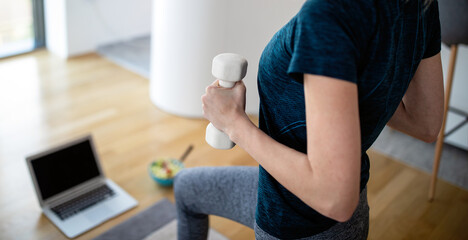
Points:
(166, 182)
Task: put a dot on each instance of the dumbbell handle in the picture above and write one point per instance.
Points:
(226, 84)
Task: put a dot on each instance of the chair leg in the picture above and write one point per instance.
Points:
(440, 139)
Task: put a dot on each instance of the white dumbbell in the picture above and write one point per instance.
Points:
(228, 68)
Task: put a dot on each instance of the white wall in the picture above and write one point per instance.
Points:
(74, 27)
(55, 27)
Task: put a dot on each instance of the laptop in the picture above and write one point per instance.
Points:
(72, 189)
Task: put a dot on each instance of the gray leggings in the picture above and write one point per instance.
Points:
(231, 192)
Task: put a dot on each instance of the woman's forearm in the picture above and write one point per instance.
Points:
(420, 111)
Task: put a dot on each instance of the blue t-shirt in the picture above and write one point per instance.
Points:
(377, 45)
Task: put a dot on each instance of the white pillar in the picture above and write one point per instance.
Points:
(187, 34)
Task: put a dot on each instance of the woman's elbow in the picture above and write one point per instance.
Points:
(342, 211)
(429, 137)
(426, 129)
(430, 133)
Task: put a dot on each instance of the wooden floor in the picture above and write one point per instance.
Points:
(45, 100)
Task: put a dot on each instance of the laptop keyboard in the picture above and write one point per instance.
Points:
(74, 206)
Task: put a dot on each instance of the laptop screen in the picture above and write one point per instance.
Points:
(63, 169)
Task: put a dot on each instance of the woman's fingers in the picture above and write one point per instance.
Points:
(240, 85)
(221, 105)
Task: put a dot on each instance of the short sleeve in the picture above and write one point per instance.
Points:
(433, 37)
(328, 39)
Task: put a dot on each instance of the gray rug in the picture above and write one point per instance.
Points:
(134, 54)
(418, 154)
(156, 222)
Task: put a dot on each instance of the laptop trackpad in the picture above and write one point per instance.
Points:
(98, 213)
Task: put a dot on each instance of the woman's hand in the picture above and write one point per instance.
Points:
(224, 106)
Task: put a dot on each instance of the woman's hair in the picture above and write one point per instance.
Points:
(426, 3)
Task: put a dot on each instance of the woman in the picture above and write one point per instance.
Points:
(329, 81)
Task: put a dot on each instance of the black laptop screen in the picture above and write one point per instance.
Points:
(58, 171)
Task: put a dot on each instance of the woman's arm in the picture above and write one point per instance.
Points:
(421, 109)
(327, 178)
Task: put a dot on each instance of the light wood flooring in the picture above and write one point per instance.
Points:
(45, 100)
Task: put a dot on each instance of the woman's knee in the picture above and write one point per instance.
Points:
(182, 183)
(185, 185)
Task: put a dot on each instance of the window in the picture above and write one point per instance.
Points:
(21, 26)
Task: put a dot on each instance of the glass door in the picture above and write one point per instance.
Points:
(21, 26)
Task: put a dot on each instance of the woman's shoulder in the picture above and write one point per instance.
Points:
(347, 13)
(346, 7)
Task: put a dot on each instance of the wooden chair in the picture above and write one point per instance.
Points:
(454, 30)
